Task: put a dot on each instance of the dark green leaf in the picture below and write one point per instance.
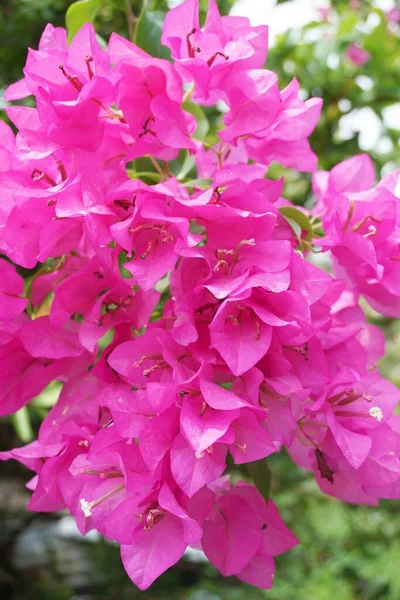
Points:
(261, 476)
(148, 33)
(157, 312)
(121, 260)
(120, 4)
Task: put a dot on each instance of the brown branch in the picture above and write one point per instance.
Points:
(131, 19)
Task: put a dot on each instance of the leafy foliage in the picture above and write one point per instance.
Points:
(148, 32)
(80, 13)
(315, 56)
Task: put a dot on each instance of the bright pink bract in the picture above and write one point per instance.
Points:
(184, 319)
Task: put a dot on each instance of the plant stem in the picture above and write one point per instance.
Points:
(188, 94)
(131, 19)
(155, 164)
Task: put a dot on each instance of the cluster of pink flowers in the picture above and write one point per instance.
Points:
(362, 229)
(183, 320)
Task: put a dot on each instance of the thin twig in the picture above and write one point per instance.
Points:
(131, 19)
(188, 94)
(206, 145)
(155, 164)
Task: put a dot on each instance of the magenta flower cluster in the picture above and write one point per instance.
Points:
(185, 321)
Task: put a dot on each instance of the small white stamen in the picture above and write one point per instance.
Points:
(86, 508)
(371, 231)
(376, 413)
(250, 242)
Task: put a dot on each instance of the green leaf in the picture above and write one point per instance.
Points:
(22, 425)
(227, 385)
(187, 165)
(120, 4)
(348, 25)
(296, 228)
(145, 175)
(202, 122)
(183, 165)
(261, 476)
(105, 341)
(295, 215)
(158, 311)
(80, 13)
(121, 260)
(148, 32)
(49, 396)
(202, 182)
(162, 285)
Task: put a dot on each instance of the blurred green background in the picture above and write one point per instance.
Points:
(346, 552)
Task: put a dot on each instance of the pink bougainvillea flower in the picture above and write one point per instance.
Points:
(161, 540)
(184, 325)
(275, 126)
(356, 55)
(192, 470)
(242, 534)
(254, 103)
(363, 233)
(393, 15)
(158, 123)
(286, 141)
(73, 86)
(11, 290)
(355, 174)
(234, 160)
(207, 55)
